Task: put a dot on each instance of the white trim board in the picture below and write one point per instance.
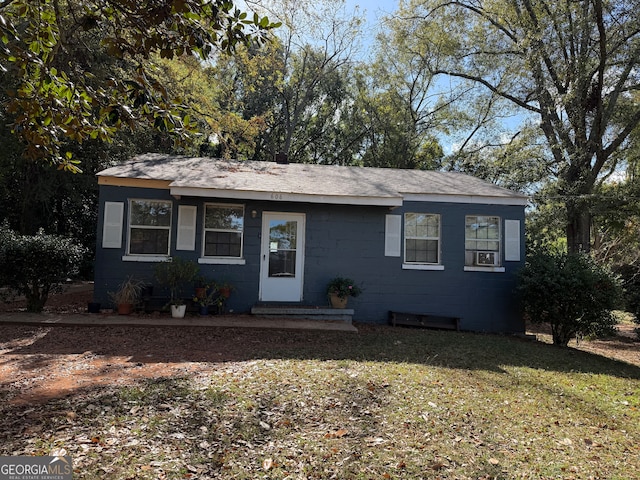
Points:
(344, 199)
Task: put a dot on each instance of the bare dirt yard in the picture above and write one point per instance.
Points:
(42, 363)
(161, 403)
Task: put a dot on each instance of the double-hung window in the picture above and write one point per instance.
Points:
(482, 241)
(149, 227)
(223, 230)
(422, 238)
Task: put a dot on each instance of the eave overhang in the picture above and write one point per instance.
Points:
(295, 197)
(276, 196)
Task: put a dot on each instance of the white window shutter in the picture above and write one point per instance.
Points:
(512, 240)
(186, 238)
(112, 225)
(393, 236)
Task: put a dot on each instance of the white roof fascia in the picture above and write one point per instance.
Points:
(287, 197)
(473, 199)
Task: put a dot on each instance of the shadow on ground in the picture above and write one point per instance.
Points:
(373, 343)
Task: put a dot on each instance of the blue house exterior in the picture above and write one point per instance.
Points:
(415, 241)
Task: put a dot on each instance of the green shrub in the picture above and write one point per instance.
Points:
(571, 292)
(31, 265)
(176, 274)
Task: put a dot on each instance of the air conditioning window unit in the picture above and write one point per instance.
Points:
(487, 259)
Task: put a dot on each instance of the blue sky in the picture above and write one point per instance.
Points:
(375, 9)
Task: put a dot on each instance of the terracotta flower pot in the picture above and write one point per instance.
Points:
(125, 308)
(338, 302)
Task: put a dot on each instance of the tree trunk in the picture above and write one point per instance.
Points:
(578, 226)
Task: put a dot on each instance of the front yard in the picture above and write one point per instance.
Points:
(149, 403)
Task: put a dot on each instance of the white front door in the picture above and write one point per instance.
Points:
(282, 257)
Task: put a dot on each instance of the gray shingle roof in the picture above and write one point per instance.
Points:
(201, 176)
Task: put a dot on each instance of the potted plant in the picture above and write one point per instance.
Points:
(339, 289)
(127, 295)
(223, 290)
(203, 284)
(175, 275)
(204, 297)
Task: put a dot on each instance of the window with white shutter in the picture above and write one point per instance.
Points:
(186, 237)
(112, 225)
(512, 240)
(393, 236)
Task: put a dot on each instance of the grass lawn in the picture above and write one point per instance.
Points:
(381, 404)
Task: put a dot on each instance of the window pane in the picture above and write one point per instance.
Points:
(150, 213)
(422, 251)
(482, 233)
(422, 233)
(223, 226)
(149, 241)
(224, 218)
(422, 225)
(284, 234)
(222, 244)
(282, 263)
(410, 229)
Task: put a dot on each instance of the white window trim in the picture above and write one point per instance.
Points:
(145, 258)
(150, 256)
(210, 259)
(221, 261)
(420, 265)
(484, 269)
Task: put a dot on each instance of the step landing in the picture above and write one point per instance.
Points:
(303, 312)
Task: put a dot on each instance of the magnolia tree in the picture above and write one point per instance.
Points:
(47, 48)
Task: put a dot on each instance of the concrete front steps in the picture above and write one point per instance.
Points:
(299, 312)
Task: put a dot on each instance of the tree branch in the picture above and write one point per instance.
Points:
(490, 86)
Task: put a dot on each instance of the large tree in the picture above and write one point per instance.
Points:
(319, 43)
(46, 46)
(572, 65)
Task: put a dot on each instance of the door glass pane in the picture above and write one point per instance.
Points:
(283, 242)
(283, 233)
(282, 264)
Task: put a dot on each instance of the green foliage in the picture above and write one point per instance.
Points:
(567, 66)
(343, 287)
(31, 265)
(55, 101)
(571, 292)
(176, 275)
